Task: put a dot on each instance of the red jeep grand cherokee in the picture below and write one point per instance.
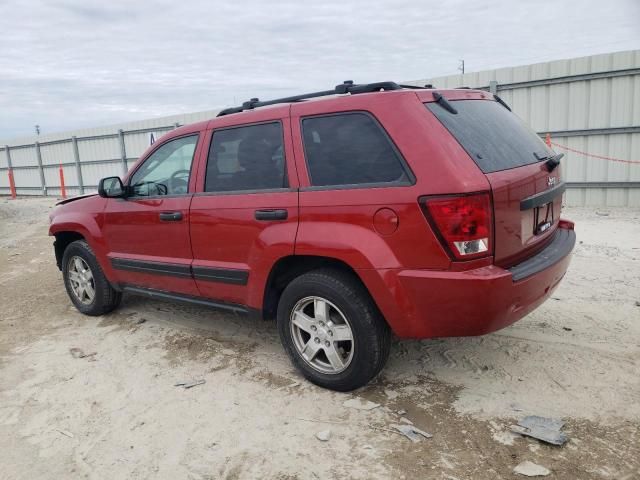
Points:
(379, 208)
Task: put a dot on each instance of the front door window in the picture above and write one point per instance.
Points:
(167, 170)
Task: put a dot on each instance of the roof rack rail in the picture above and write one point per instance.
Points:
(346, 87)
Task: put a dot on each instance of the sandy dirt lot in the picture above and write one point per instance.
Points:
(117, 414)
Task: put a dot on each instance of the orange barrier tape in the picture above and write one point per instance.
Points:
(593, 155)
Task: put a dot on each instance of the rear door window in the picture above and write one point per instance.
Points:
(247, 158)
(495, 138)
(350, 149)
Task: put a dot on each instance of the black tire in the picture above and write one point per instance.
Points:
(371, 334)
(106, 297)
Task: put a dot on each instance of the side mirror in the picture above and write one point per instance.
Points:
(111, 187)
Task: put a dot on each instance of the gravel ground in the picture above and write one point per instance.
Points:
(117, 413)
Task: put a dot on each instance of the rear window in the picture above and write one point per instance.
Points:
(494, 137)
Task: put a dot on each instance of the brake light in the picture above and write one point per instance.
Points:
(463, 223)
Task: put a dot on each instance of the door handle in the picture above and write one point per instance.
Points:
(272, 214)
(170, 216)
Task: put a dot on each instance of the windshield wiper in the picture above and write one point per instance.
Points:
(551, 161)
(501, 102)
(444, 103)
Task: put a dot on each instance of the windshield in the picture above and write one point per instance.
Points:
(494, 137)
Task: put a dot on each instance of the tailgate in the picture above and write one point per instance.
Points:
(526, 196)
(526, 205)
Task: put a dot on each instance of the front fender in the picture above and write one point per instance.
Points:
(89, 226)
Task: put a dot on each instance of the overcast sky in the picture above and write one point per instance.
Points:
(81, 63)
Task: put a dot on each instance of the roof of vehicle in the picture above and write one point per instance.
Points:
(345, 90)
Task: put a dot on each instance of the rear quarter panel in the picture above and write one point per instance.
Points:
(338, 222)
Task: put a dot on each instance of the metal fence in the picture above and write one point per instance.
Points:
(590, 106)
(78, 163)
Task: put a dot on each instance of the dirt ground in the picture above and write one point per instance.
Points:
(117, 414)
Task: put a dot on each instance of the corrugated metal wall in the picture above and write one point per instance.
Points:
(589, 105)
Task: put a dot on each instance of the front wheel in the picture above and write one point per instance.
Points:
(332, 330)
(86, 285)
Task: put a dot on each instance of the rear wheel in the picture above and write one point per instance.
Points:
(86, 285)
(332, 330)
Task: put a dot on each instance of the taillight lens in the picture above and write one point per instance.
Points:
(464, 223)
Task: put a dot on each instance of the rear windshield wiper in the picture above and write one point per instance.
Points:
(501, 102)
(444, 103)
(551, 161)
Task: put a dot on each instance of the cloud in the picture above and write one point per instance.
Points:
(71, 64)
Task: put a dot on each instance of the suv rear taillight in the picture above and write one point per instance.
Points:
(463, 223)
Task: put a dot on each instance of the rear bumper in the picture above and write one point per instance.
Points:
(425, 303)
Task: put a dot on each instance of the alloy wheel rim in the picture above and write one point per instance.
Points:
(322, 335)
(81, 280)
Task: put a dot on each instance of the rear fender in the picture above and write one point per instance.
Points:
(357, 246)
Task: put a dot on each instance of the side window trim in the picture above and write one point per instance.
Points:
(213, 131)
(246, 192)
(194, 160)
(411, 179)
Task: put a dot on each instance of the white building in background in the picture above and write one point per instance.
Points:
(590, 106)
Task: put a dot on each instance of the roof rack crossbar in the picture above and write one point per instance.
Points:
(347, 87)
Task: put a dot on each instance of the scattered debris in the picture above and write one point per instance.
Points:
(401, 412)
(76, 352)
(79, 353)
(65, 433)
(317, 420)
(535, 420)
(391, 394)
(505, 437)
(324, 435)
(602, 214)
(189, 384)
(530, 469)
(291, 385)
(141, 321)
(568, 329)
(137, 425)
(637, 303)
(406, 420)
(344, 423)
(360, 404)
(541, 428)
(516, 408)
(412, 433)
